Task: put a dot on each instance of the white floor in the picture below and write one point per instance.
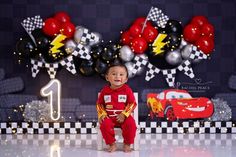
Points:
(151, 145)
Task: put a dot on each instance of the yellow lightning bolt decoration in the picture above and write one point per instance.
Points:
(158, 44)
(57, 43)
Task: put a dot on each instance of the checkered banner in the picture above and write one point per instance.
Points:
(157, 16)
(51, 68)
(197, 54)
(139, 62)
(35, 66)
(186, 67)
(170, 76)
(69, 64)
(88, 36)
(151, 72)
(82, 52)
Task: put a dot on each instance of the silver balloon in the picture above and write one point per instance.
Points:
(129, 66)
(183, 43)
(78, 34)
(70, 46)
(174, 57)
(126, 54)
(186, 51)
(97, 37)
(140, 70)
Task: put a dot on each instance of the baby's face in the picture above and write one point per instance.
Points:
(117, 76)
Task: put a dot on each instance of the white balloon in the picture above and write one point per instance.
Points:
(78, 34)
(129, 66)
(186, 51)
(126, 54)
(70, 46)
(174, 57)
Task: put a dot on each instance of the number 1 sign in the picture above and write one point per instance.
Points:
(53, 91)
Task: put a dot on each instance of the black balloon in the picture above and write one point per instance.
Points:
(37, 33)
(101, 67)
(43, 43)
(96, 51)
(86, 68)
(174, 26)
(108, 54)
(173, 41)
(26, 48)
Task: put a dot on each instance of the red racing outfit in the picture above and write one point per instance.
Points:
(112, 102)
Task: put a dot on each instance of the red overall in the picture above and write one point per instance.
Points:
(112, 102)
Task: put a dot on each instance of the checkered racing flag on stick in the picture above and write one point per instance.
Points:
(82, 52)
(197, 54)
(88, 36)
(52, 69)
(139, 62)
(186, 67)
(151, 72)
(28, 25)
(69, 64)
(35, 67)
(170, 76)
(157, 16)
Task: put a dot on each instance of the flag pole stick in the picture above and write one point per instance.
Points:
(144, 24)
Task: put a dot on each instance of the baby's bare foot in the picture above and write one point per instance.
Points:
(127, 148)
(112, 148)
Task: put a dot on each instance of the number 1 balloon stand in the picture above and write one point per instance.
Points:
(53, 92)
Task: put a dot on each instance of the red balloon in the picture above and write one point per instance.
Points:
(206, 44)
(126, 38)
(62, 17)
(68, 29)
(140, 21)
(150, 34)
(191, 33)
(199, 20)
(139, 45)
(135, 30)
(51, 27)
(207, 30)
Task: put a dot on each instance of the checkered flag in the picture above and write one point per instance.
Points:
(197, 54)
(35, 67)
(157, 16)
(186, 67)
(52, 69)
(151, 72)
(28, 25)
(37, 21)
(69, 63)
(170, 76)
(88, 36)
(82, 52)
(139, 62)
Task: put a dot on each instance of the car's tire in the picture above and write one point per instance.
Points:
(169, 113)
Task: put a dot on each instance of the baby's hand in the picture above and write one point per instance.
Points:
(100, 120)
(120, 118)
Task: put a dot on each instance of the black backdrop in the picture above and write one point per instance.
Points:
(109, 17)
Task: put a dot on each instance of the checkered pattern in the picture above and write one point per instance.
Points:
(35, 67)
(170, 76)
(28, 24)
(157, 16)
(69, 63)
(37, 21)
(90, 127)
(139, 62)
(197, 54)
(82, 52)
(186, 67)
(151, 72)
(52, 69)
(88, 36)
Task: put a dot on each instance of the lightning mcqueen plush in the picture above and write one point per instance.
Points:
(174, 104)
